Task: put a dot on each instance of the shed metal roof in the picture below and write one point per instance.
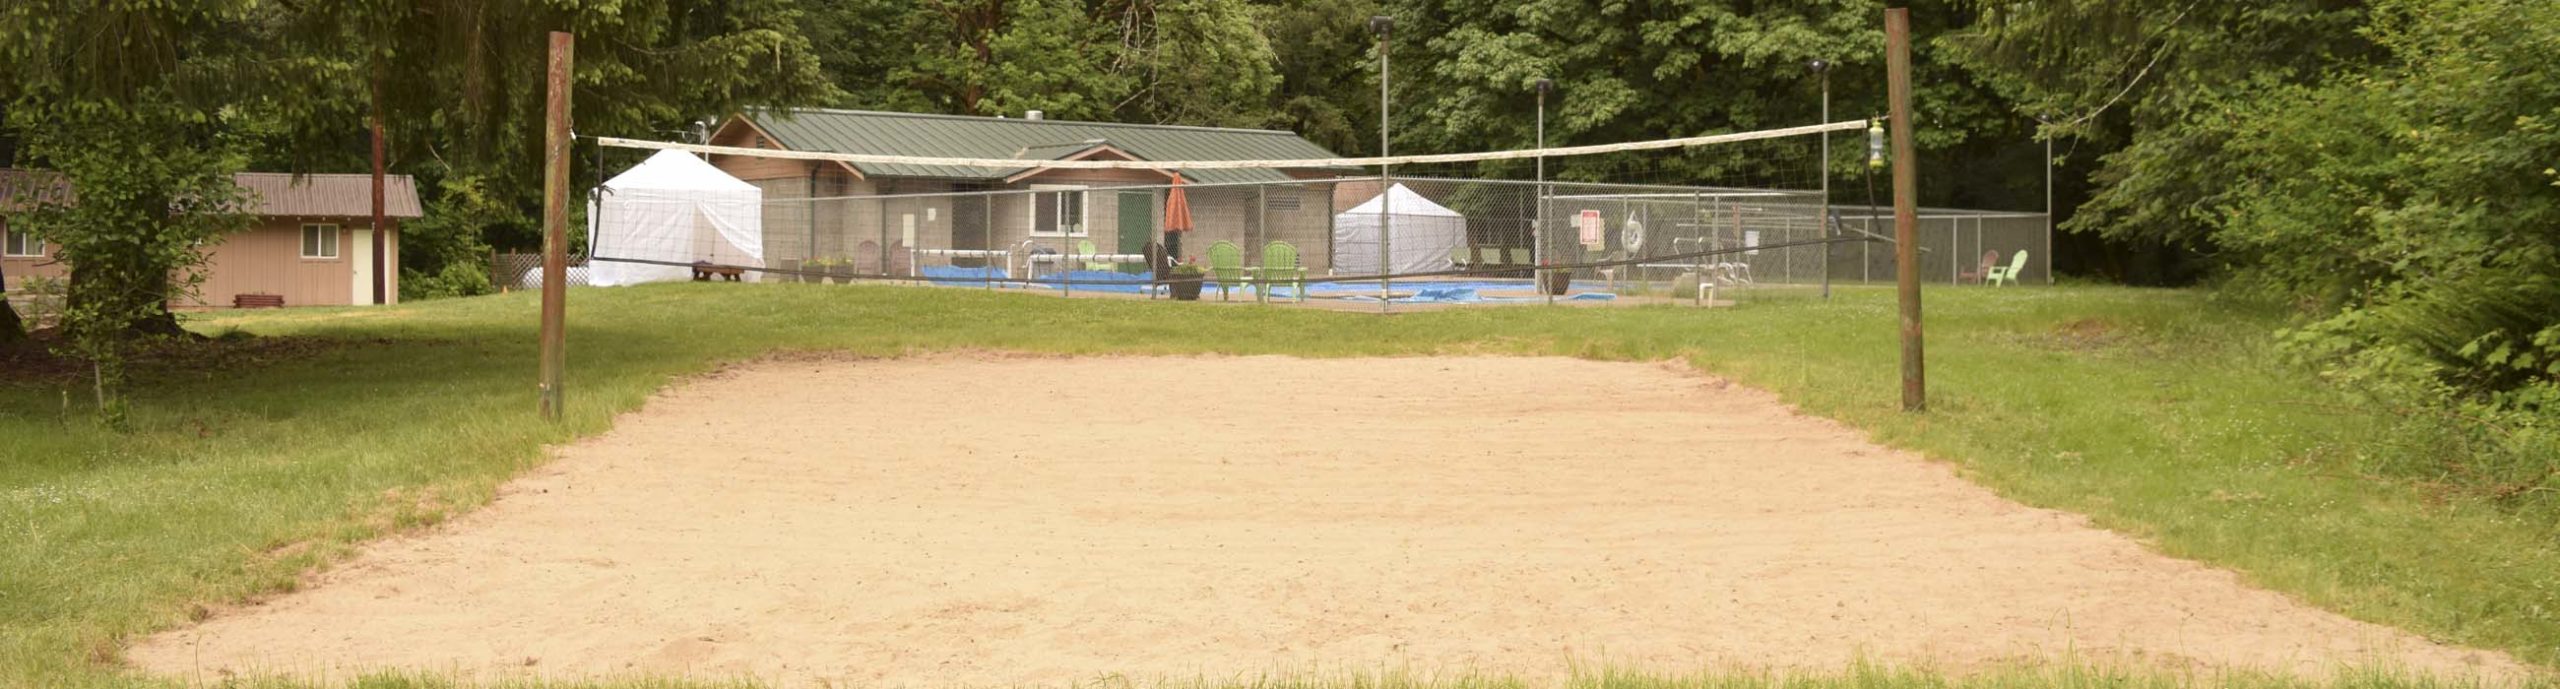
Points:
(20, 189)
(892, 133)
(348, 195)
(271, 193)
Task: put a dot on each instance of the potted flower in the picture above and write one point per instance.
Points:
(841, 269)
(818, 270)
(1554, 281)
(1186, 279)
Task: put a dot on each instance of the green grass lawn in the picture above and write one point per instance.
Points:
(2161, 414)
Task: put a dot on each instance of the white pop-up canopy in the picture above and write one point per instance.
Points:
(675, 208)
(1423, 234)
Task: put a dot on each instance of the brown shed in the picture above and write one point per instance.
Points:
(310, 244)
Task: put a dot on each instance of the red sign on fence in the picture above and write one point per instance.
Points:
(1593, 229)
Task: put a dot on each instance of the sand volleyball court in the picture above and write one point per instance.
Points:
(992, 520)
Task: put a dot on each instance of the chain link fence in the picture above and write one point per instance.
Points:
(1957, 246)
(510, 272)
(1618, 239)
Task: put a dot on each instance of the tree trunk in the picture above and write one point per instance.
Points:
(157, 321)
(12, 329)
(162, 323)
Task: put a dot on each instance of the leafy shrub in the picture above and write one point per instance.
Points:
(455, 279)
(2415, 204)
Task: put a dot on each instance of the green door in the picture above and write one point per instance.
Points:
(1137, 226)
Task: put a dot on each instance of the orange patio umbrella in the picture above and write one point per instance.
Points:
(1177, 218)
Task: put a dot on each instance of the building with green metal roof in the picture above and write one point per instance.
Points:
(954, 136)
(867, 213)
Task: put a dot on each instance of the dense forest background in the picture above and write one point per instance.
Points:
(2389, 166)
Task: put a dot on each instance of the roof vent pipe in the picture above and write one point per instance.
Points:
(1033, 115)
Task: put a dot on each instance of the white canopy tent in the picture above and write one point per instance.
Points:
(1423, 234)
(676, 208)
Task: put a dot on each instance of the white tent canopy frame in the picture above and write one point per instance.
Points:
(678, 209)
(1426, 234)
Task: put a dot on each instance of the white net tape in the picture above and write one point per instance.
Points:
(1008, 163)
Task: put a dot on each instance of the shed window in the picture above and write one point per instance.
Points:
(319, 241)
(22, 244)
(1058, 211)
(1285, 201)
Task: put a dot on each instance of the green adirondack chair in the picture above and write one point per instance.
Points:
(2008, 273)
(1280, 267)
(1226, 265)
(1084, 247)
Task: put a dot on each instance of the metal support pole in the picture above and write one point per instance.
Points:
(1822, 215)
(1066, 261)
(1385, 26)
(1698, 216)
(2048, 211)
(1538, 228)
(1906, 211)
(555, 218)
(809, 211)
(987, 225)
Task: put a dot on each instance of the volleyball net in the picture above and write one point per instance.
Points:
(1660, 217)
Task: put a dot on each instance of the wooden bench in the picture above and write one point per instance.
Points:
(702, 272)
(257, 301)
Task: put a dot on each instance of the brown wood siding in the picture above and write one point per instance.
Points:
(755, 169)
(267, 259)
(738, 134)
(17, 268)
(1095, 177)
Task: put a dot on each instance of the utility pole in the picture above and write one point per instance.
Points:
(380, 235)
(555, 218)
(1906, 211)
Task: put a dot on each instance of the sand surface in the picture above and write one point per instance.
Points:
(973, 520)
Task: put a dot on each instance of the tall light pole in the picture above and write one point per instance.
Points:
(1822, 70)
(1385, 26)
(1538, 230)
(2049, 259)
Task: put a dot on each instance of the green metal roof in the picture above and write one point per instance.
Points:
(894, 133)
